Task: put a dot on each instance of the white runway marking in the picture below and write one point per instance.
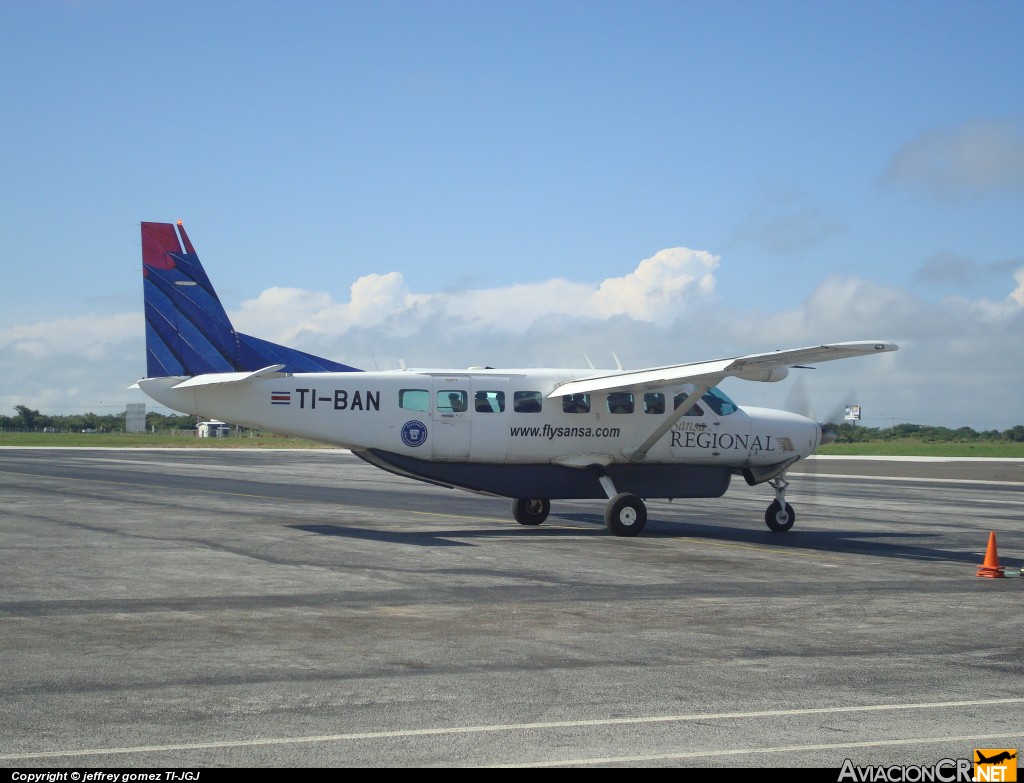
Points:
(511, 727)
(781, 749)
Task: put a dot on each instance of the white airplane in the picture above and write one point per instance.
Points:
(532, 435)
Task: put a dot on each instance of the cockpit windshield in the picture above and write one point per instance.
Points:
(719, 401)
(714, 398)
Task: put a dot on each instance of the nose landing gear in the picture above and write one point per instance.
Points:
(779, 516)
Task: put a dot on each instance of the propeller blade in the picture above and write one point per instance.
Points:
(797, 400)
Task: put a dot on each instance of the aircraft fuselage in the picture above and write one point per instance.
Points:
(454, 428)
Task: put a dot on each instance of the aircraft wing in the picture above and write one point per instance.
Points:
(772, 366)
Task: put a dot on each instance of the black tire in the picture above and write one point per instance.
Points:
(625, 515)
(777, 520)
(530, 511)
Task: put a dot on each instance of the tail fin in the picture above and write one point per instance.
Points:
(187, 330)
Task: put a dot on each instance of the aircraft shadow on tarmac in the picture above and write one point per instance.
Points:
(895, 545)
(453, 537)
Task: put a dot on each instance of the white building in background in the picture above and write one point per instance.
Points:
(212, 429)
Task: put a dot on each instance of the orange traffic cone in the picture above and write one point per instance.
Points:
(991, 567)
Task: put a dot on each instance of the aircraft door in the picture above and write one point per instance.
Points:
(452, 423)
(490, 407)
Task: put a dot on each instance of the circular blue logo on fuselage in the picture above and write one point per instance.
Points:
(414, 433)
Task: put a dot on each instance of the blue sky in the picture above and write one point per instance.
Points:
(368, 180)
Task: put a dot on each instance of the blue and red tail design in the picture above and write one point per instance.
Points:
(187, 330)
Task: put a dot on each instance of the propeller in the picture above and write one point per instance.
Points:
(798, 401)
(830, 426)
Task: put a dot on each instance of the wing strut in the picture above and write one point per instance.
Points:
(639, 454)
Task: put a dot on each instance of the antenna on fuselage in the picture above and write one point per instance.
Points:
(592, 367)
(618, 362)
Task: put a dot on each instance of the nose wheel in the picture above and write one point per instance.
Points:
(779, 516)
(779, 519)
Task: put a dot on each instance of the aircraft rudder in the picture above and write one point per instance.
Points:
(188, 332)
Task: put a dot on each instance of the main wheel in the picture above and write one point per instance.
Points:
(530, 511)
(779, 521)
(625, 515)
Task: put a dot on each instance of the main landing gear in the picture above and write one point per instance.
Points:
(625, 514)
(530, 511)
(779, 516)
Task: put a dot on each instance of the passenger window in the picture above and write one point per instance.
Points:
(489, 401)
(576, 403)
(683, 397)
(620, 402)
(654, 402)
(414, 399)
(526, 401)
(451, 401)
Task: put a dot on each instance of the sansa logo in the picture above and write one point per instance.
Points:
(995, 764)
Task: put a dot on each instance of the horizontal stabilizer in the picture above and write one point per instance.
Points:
(217, 378)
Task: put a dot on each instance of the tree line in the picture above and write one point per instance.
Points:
(29, 420)
(850, 433)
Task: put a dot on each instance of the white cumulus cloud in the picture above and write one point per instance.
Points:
(1017, 295)
(659, 287)
(657, 290)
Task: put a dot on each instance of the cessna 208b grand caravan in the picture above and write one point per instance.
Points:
(532, 435)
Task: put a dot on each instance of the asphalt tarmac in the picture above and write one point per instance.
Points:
(198, 608)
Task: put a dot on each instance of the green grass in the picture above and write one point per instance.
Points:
(909, 447)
